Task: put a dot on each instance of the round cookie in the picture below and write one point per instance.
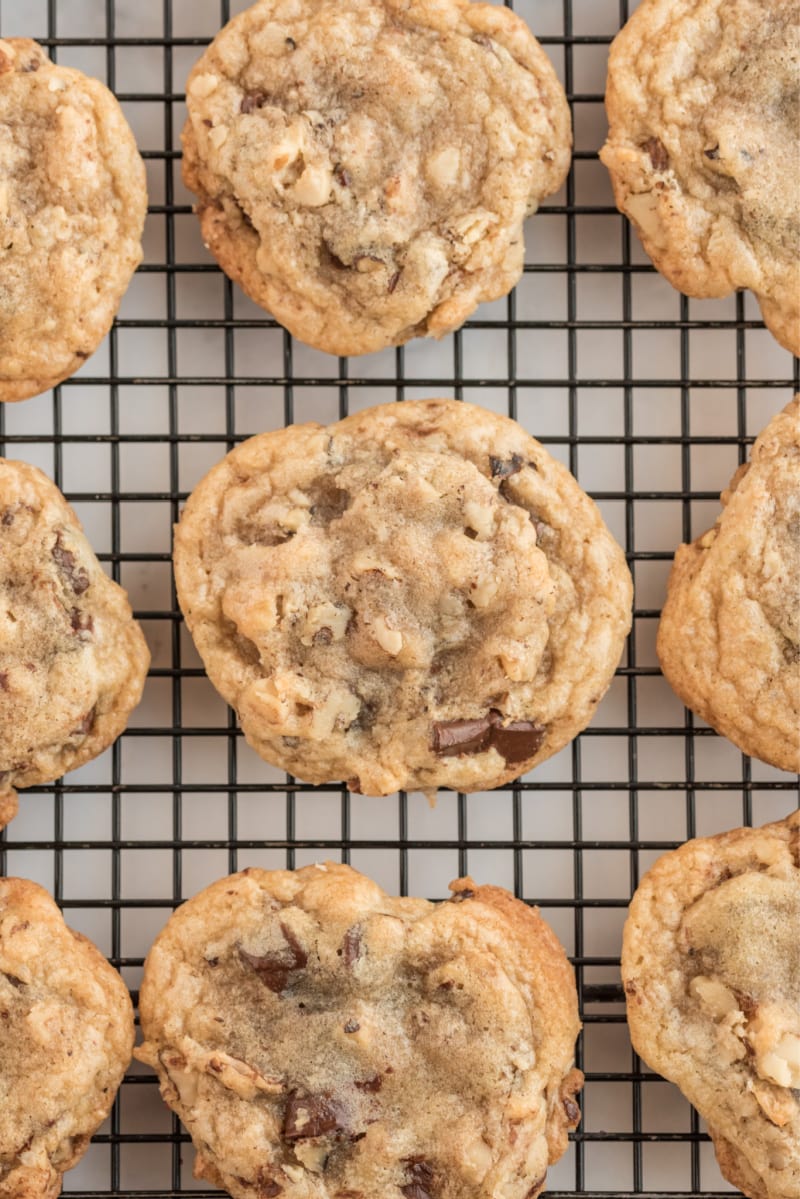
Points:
(729, 637)
(321, 1039)
(703, 150)
(711, 969)
(72, 207)
(418, 596)
(66, 1037)
(72, 659)
(363, 167)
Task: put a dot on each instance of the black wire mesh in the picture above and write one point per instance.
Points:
(650, 398)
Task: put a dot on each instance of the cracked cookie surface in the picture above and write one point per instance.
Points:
(729, 636)
(66, 1037)
(417, 596)
(323, 1040)
(72, 658)
(72, 206)
(364, 167)
(711, 969)
(703, 104)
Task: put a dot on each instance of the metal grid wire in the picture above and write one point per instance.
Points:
(650, 398)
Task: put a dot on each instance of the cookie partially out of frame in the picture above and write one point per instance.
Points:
(363, 167)
(417, 596)
(72, 659)
(711, 968)
(66, 1037)
(72, 206)
(703, 147)
(729, 637)
(323, 1040)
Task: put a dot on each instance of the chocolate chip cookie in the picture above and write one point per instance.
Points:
(72, 658)
(729, 637)
(703, 148)
(711, 967)
(363, 167)
(318, 1037)
(66, 1036)
(72, 207)
(417, 596)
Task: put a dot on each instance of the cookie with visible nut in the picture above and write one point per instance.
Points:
(703, 150)
(320, 1038)
(418, 596)
(729, 637)
(72, 659)
(711, 969)
(363, 167)
(66, 1037)
(73, 201)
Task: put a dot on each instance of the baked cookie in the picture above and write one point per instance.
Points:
(703, 150)
(322, 1040)
(72, 207)
(711, 968)
(72, 658)
(363, 167)
(418, 596)
(729, 637)
(66, 1036)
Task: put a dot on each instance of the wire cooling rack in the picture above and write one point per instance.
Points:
(652, 401)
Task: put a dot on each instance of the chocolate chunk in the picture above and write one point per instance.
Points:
(76, 576)
(460, 896)
(372, 1085)
(460, 736)
(395, 279)
(323, 636)
(274, 969)
(310, 1116)
(352, 1026)
(572, 1112)
(420, 1179)
(8, 517)
(291, 43)
(516, 741)
(85, 725)
(328, 500)
(16, 983)
(342, 176)
(252, 101)
(269, 1189)
(354, 785)
(713, 153)
(747, 1004)
(82, 624)
(503, 467)
(351, 945)
(657, 152)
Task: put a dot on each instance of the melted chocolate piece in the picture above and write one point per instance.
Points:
(253, 101)
(372, 1085)
(712, 154)
(64, 559)
(572, 1112)
(85, 725)
(516, 741)
(82, 624)
(328, 500)
(274, 969)
(502, 468)
(657, 152)
(352, 1026)
(460, 896)
(351, 945)
(395, 279)
(309, 1116)
(420, 1179)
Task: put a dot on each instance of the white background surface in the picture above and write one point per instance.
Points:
(150, 435)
